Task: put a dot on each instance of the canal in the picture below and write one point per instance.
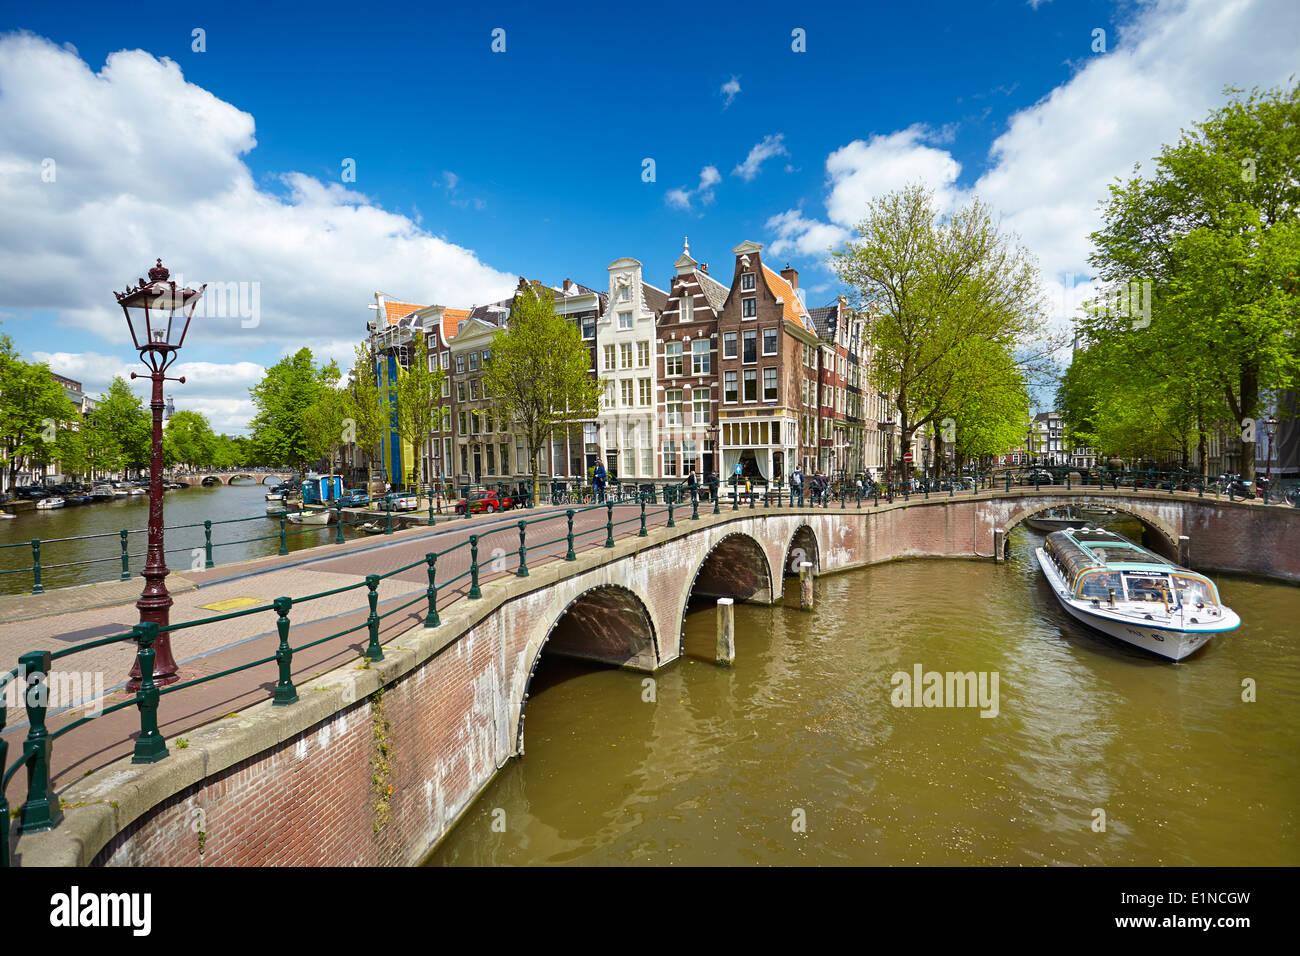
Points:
(796, 755)
(64, 562)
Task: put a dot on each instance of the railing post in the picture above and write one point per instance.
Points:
(467, 502)
(284, 542)
(388, 515)
(207, 545)
(338, 522)
(609, 523)
(670, 524)
(695, 502)
(150, 746)
(431, 619)
(4, 762)
(373, 651)
(569, 514)
(642, 532)
(717, 505)
(285, 692)
(41, 809)
(430, 506)
(523, 551)
(126, 571)
(474, 591)
(735, 495)
(37, 587)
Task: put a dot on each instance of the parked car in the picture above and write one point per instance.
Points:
(1044, 477)
(490, 501)
(397, 502)
(31, 493)
(354, 498)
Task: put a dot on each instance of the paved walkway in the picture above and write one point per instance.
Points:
(59, 619)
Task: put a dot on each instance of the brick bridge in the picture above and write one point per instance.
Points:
(294, 785)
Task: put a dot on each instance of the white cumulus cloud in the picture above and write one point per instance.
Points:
(769, 146)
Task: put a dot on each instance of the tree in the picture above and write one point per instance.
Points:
(364, 403)
(282, 433)
(324, 421)
(188, 439)
(119, 432)
(1214, 231)
(955, 304)
(540, 373)
(34, 411)
(418, 390)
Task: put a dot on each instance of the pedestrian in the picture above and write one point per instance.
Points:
(598, 481)
(796, 485)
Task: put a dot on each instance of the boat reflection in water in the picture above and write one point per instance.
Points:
(1130, 593)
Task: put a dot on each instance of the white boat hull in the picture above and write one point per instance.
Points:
(45, 504)
(1167, 634)
(310, 517)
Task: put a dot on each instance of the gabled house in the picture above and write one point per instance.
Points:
(686, 367)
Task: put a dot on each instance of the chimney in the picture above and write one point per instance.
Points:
(568, 284)
(704, 267)
(791, 276)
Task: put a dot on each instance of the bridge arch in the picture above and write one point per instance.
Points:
(803, 547)
(1161, 535)
(737, 567)
(608, 624)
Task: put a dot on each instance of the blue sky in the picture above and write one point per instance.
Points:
(474, 166)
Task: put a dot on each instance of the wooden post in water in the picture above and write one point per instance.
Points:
(1184, 550)
(805, 586)
(725, 649)
(998, 537)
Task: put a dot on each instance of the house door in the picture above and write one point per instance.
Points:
(478, 466)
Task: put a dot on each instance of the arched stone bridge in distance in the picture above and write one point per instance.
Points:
(229, 478)
(455, 696)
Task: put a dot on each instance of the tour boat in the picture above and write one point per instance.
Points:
(102, 492)
(1057, 519)
(46, 503)
(1127, 592)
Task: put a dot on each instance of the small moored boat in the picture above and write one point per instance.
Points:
(45, 504)
(1130, 593)
(310, 517)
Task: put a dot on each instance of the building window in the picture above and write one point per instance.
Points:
(460, 391)
(747, 282)
(690, 458)
(670, 459)
(487, 357)
(700, 357)
(460, 363)
(473, 390)
(446, 387)
(446, 359)
(728, 344)
(505, 458)
(609, 357)
(700, 412)
(626, 352)
(674, 406)
(751, 384)
(769, 385)
(624, 295)
(688, 308)
(729, 387)
(643, 355)
(645, 396)
(627, 392)
(748, 307)
(673, 359)
(464, 429)
(625, 320)
(749, 352)
(769, 341)
(473, 423)
(589, 327)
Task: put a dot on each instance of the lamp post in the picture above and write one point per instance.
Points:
(150, 309)
(888, 424)
(1271, 425)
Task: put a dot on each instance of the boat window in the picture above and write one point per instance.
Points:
(1194, 590)
(1143, 586)
(1098, 585)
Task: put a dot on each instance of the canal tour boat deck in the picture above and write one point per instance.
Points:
(1127, 592)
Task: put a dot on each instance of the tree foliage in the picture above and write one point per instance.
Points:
(283, 433)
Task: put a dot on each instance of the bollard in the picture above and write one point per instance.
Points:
(671, 523)
(609, 524)
(207, 544)
(285, 692)
(725, 642)
(642, 532)
(40, 811)
(998, 536)
(126, 571)
(573, 557)
(284, 544)
(431, 619)
(373, 651)
(523, 550)
(805, 586)
(338, 522)
(150, 746)
(474, 591)
(37, 587)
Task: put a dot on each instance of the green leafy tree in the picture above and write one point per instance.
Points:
(1214, 231)
(364, 404)
(283, 435)
(188, 439)
(34, 410)
(952, 299)
(540, 374)
(119, 432)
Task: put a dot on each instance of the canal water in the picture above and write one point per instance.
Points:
(63, 561)
(796, 755)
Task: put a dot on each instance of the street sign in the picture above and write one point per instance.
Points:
(907, 457)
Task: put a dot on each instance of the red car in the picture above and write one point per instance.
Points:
(485, 501)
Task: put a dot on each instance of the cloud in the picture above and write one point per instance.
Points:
(681, 198)
(769, 147)
(149, 165)
(806, 237)
(449, 180)
(1051, 166)
(729, 90)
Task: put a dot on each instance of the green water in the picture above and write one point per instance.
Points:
(796, 755)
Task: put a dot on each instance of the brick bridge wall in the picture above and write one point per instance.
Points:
(310, 783)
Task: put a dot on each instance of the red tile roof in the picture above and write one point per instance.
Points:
(451, 318)
(791, 307)
(399, 310)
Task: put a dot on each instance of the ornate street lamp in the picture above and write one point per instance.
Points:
(150, 309)
(1271, 425)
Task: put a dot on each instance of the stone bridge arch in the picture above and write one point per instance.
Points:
(803, 546)
(607, 624)
(1162, 529)
(736, 566)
